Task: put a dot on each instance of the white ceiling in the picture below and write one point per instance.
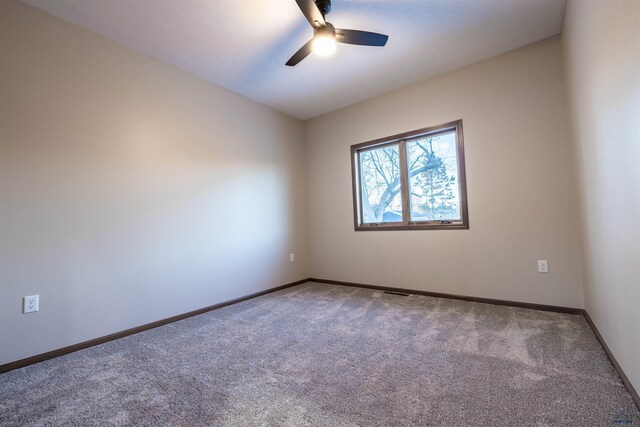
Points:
(243, 45)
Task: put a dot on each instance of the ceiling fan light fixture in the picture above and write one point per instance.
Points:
(324, 44)
(325, 35)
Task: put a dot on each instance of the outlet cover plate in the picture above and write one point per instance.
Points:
(543, 266)
(30, 303)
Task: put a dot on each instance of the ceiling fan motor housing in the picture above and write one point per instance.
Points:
(328, 31)
(324, 6)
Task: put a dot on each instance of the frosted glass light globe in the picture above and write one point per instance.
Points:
(324, 45)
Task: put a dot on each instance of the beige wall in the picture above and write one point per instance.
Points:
(602, 51)
(522, 202)
(131, 191)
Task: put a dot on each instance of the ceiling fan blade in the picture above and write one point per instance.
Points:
(302, 53)
(312, 13)
(363, 38)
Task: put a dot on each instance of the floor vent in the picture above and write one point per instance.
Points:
(396, 293)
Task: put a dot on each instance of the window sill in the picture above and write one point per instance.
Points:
(399, 227)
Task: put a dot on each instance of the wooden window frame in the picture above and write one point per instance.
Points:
(400, 140)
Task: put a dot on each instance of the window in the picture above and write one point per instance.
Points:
(415, 180)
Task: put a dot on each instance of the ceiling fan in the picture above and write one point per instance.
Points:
(326, 35)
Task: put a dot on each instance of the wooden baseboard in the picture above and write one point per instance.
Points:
(543, 307)
(558, 309)
(101, 340)
(614, 362)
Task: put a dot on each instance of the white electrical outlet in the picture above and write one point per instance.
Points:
(292, 257)
(543, 266)
(30, 303)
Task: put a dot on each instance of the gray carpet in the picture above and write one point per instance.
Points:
(323, 355)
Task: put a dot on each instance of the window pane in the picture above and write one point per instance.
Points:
(380, 178)
(433, 178)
